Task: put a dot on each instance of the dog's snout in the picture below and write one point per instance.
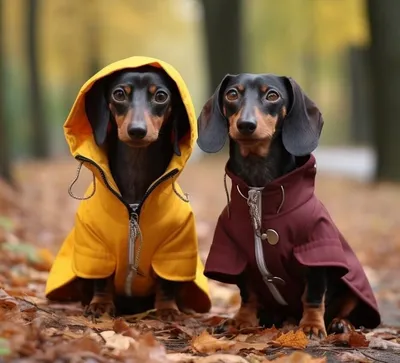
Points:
(246, 127)
(137, 131)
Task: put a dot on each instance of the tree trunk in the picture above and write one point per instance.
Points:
(224, 38)
(384, 16)
(5, 162)
(93, 36)
(40, 141)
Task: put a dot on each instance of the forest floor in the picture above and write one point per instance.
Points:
(35, 219)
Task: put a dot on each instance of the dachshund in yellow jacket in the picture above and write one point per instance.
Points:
(134, 240)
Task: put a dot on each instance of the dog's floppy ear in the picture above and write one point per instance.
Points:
(212, 124)
(303, 124)
(180, 126)
(97, 111)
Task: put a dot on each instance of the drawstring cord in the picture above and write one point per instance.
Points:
(78, 172)
(280, 206)
(228, 201)
(184, 197)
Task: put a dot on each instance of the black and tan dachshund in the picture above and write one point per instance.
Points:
(132, 114)
(272, 127)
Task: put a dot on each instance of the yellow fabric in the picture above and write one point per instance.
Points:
(97, 246)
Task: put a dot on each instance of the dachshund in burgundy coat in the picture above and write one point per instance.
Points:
(275, 240)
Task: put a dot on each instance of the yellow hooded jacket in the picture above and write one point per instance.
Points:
(97, 246)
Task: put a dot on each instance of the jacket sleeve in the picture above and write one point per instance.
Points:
(91, 258)
(176, 258)
(323, 246)
(224, 262)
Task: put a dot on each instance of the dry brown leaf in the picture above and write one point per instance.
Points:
(205, 343)
(121, 327)
(7, 301)
(298, 357)
(45, 262)
(145, 350)
(297, 340)
(353, 357)
(116, 341)
(104, 323)
(181, 358)
(238, 346)
(357, 340)
(266, 336)
(352, 339)
(221, 358)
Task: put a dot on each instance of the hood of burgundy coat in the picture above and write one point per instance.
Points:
(307, 237)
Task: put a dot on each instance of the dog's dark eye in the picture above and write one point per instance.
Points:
(232, 95)
(272, 96)
(161, 97)
(119, 95)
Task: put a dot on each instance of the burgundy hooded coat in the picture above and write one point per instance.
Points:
(307, 237)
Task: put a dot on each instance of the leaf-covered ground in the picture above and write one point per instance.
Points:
(35, 219)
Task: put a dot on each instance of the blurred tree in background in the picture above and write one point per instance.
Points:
(384, 18)
(223, 27)
(5, 162)
(39, 129)
(52, 46)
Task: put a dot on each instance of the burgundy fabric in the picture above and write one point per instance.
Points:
(307, 237)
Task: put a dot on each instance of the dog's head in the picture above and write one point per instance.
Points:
(253, 108)
(138, 103)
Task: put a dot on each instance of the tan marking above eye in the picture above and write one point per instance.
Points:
(127, 89)
(152, 89)
(264, 88)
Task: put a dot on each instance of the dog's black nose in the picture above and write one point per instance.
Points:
(137, 131)
(246, 127)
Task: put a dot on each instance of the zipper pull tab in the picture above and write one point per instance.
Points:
(133, 210)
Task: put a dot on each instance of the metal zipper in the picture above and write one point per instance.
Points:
(133, 213)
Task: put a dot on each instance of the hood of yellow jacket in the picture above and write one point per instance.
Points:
(78, 131)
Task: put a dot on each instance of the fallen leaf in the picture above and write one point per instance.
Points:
(116, 341)
(238, 346)
(353, 357)
(205, 343)
(7, 301)
(221, 358)
(266, 335)
(298, 357)
(357, 340)
(121, 327)
(297, 340)
(379, 343)
(352, 339)
(181, 358)
(44, 260)
(145, 350)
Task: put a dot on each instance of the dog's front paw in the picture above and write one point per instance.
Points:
(167, 310)
(100, 305)
(244, 318)
(168, 314)
(340, 326)
(312, 323)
